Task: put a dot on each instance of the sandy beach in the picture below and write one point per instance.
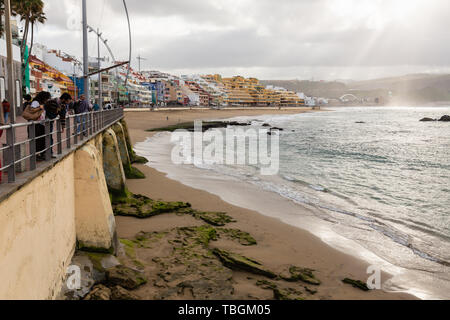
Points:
(279, 246)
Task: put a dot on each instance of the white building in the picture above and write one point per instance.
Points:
(4, 72)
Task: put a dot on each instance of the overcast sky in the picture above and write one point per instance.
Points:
(269, 39)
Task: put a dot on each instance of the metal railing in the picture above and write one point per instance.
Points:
(32, 142)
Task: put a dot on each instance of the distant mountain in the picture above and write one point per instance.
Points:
(311, 88)
(405, 83)
(413, 88)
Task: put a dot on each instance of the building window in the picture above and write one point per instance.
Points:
(18, 94)
(2, 89)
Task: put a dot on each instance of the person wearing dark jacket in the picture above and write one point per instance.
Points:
(57, 108)
(27, 101)
(81, 107)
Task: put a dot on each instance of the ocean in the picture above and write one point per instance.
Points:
(372, 181)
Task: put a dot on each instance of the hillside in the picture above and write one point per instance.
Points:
(414, 88)
(311, 88)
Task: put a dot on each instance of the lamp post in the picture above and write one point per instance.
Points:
(100, 84)
(85, 53)
(130, 49)
(9, 60)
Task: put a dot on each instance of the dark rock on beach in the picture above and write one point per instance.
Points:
(427, 120)
(125, 277)
(99, 293)
(142, 207)
(445, 118)
(358, 284)
(103, 293)
(301, 274)
(119, 293)
(190, 126)
(237, 262)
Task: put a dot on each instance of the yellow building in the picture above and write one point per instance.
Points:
(240, 91)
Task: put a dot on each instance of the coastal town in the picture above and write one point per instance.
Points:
(58, 72)
(175, 166)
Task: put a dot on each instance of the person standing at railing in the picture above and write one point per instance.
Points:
(27, 99)
(81, 107)
(2, 119)
(6, 110)
(36, 112)
(57, 108)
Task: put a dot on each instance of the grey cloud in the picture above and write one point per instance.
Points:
(263, 34)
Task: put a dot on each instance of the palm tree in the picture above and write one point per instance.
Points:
(38, 16)
(2, 12)
(30, 12)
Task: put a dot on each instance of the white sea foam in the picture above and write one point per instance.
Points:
(352, 211)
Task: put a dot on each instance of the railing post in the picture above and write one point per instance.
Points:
(77, 128)
(48, 148)
(32, 136)
(11, 154)
(58, 135)
(89, 124)
(68, 137)
(84, 120)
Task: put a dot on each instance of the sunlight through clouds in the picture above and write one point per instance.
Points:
(278, 39)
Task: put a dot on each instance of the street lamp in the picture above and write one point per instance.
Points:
(85, 47)
(9, 60)
(100, 84)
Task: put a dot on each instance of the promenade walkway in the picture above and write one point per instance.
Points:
(64, 142)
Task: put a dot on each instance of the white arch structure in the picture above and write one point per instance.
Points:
(348, 95)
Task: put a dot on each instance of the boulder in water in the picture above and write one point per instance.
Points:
(427, 120)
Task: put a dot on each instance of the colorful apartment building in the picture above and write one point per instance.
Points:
(45, 78)
(250, 92)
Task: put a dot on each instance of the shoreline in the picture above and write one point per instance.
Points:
(279, 244)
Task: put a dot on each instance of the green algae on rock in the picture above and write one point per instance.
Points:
(186, 266)
(288, 294)
(133, 157)
(138, 160)
(301, 274)
(141, 207)
(237, 262)
(133, 173)
(244, 238)
(356, 284)
(217, 219)
(125, 277)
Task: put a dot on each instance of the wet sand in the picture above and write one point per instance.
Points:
(279, 245)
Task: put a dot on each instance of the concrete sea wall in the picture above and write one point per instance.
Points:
(65, 207)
